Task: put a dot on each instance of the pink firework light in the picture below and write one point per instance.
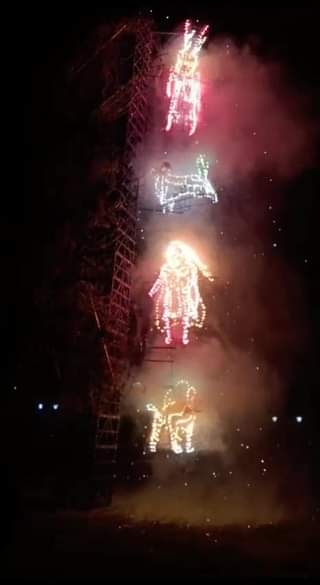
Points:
(178, 298)
(184, 84)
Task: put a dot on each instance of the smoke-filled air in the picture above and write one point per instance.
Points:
(220, 315)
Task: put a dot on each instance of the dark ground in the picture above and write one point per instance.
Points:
(63, 545)
(46, 543)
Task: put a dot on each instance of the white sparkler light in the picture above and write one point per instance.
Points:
(170, 188)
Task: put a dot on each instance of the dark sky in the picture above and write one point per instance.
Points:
(53, 33)
(290, 30)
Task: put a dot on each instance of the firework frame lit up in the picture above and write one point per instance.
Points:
(178, 298)
(184, 83)
(176, 417)
(170, 188)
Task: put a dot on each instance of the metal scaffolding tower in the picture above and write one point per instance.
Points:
(133, 98)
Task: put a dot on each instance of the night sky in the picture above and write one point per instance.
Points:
(54, 34)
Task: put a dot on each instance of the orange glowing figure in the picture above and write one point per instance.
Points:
(178, 298)
(176, 416)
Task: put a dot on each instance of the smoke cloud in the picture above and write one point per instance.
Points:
(257, 133)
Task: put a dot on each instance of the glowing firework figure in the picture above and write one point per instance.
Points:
(170, 188)
(178, 299)
(177, 417)
(184, 85)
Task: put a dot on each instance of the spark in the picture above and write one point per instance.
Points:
(179, 301)
(184, 84)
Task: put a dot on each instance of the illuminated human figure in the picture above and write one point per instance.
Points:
(170, 188)
(184, 84)
(177, 417)
(178, 299)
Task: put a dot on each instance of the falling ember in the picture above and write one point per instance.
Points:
(177, 417)
(178, 299)
(184, 85)
(170, 188)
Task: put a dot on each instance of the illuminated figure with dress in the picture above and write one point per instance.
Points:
(178, 300)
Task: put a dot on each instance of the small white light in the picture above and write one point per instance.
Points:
(299, 419)
(40, 406)
(274, 419)
(55, 406)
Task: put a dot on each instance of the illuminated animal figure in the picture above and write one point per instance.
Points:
(177, 417)
(178, 299)
(170, 188)
(184, 84)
